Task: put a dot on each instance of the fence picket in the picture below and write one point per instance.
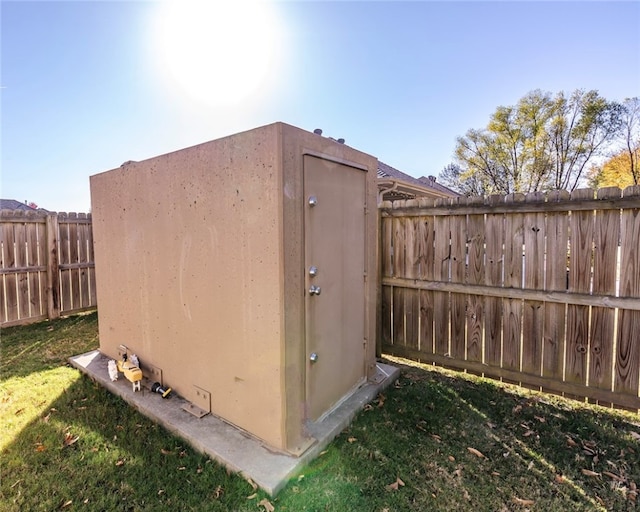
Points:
(475, 275)
(580, 258)
(512, 308)
(628, 347)
(606, 236)
(425, 233)
(533, 310)
(458, 272)
(494, 239)
(442, 253)
(412, 271)
(553, 345)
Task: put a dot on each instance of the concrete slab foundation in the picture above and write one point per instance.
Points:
(227, 444)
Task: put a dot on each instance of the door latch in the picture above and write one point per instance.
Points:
(314, 290)
(313, 357)
(313, 200)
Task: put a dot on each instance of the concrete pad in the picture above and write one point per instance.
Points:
(227, 444)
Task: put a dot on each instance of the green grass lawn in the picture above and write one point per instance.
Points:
(435, 441)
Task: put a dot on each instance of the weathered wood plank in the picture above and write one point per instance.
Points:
(399, 269)
(512, 308)
(386, 326)
(442, 252)
(580, 273)
(533, 311)
(475, 275)
(425, 234)
(553, 346)
(387, 246)
(53, 273)
(494, 238)
(581, 299)
(412, 271)
(22, 260)
(454, 208)
(627, 362)
(10, 280)
(605, 255)
(458, 272)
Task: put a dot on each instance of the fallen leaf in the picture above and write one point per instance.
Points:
(540, 419)
(69, 439)
(368, 407)
(436, 437)
(495, 473)
(522, 502)
(571, 442)
(452, 458)
(635, 435)
(161, 491)
(517, 409)
(588, 472)
(395, 485)
(476, 452)
(613, 476)
(181, 468)
(120, 462)
(267, 505)
(66, 504)
(40, 447)
(528, 433)
(252, 496)
(253, 485)
(559, 479)
(165, 452)
(352, 439)
(218, 492)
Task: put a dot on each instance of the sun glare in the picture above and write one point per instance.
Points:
(217, 52)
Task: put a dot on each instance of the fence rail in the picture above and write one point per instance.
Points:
(46, 265)
(541, 290)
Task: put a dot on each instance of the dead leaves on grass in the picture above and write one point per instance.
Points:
(395, 485)
(477, 453)
(268, 507)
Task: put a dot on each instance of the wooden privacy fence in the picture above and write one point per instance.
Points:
(46, 265)
(541, 290)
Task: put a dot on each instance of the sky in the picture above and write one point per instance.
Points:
(88, 85)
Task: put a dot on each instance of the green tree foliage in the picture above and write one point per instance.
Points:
(544, 142)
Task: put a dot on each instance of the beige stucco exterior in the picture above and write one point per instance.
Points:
(200, 270)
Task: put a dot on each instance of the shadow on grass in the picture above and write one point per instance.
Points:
(437, 442)
(90, 450)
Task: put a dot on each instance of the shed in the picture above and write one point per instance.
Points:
(243, 273)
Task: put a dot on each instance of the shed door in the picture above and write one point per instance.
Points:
(334, 217)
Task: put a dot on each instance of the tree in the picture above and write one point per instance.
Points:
(631, 136)
(615, 172)
(543, 142)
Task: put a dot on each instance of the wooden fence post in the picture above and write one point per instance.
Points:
(53, 271)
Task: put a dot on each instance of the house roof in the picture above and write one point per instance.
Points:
(402, 186)
(12, 204)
